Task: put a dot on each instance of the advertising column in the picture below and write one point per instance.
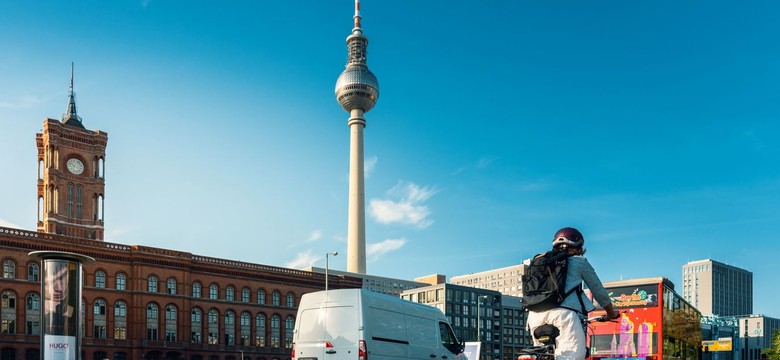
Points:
(61, 284)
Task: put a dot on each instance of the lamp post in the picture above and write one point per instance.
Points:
(479, 324)
(326, 267)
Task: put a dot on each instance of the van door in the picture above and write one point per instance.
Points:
(328, 333)
(423, 342)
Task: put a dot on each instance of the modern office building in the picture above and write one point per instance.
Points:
(138, 302)
(506, 280)
(380, 284)
(478, 315)
(755, 335)
(515, 336)
(717, 289)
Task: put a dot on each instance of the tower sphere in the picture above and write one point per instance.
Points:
(357, 88)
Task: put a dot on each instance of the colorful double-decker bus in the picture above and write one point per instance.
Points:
(655, 323)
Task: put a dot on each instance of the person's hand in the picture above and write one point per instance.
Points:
(612, 315)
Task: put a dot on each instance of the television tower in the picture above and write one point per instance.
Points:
(357, 90)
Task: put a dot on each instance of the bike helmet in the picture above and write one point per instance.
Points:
(568, 236)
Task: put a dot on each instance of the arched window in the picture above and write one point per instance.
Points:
(170, 323)
(99, 310)
(290, 299)
(260, 330)
(8, 312)
(230, 293)
(100, 279)
(152, 321)
(245, 295)
(9, 269)
(246, 321)
(120, 320)
(171, 286)
(275, 331)
(33, 272)
(261, 296)
(121, 280)
(151, 284)
(289, 325)
(196, 326)
(70, 201)
(79, 195)
(230, 328)
(213, 291)
(196, 290)
(213, 324)
(33, 314)
(275, 298)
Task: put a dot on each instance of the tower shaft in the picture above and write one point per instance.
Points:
(356, 227)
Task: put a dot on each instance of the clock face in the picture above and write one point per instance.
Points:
(75, 166)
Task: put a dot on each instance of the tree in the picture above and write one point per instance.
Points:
(774, 351)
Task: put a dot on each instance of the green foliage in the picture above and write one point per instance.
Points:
(774, 351)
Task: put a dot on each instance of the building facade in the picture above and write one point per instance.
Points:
(474, 314)
(506, 280)
(515, 335)
(149, 303)
(755, 335)
(718, 289)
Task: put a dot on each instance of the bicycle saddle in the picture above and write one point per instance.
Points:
(546, 334)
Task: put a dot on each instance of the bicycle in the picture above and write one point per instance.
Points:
(546, 334)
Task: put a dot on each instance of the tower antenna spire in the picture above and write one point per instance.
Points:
(357, 17)
(71, 117)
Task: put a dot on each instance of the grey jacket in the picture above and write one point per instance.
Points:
(580, 270)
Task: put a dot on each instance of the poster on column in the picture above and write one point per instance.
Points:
(471, 350)
(60, 309)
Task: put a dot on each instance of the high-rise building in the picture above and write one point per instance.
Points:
(717, 289)
(506, 280)
(357, 91)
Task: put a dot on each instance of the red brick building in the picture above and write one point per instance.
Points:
(138, 302)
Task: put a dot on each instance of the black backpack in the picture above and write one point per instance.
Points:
(544, 282)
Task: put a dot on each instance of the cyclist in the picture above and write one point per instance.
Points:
(571, 343)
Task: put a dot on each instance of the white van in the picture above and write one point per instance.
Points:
(357, 324)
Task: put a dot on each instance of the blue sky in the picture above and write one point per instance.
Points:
(651, 126)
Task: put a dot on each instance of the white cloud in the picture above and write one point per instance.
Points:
(485, 161)
(369, 165)
(408, 209)
(376, 250)
(314, 235)
(302, 260)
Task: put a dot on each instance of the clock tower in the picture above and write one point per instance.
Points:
(71, 175)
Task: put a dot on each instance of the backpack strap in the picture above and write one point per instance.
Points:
(578, 290)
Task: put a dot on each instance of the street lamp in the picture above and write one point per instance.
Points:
(326, 267)
(479, 324)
